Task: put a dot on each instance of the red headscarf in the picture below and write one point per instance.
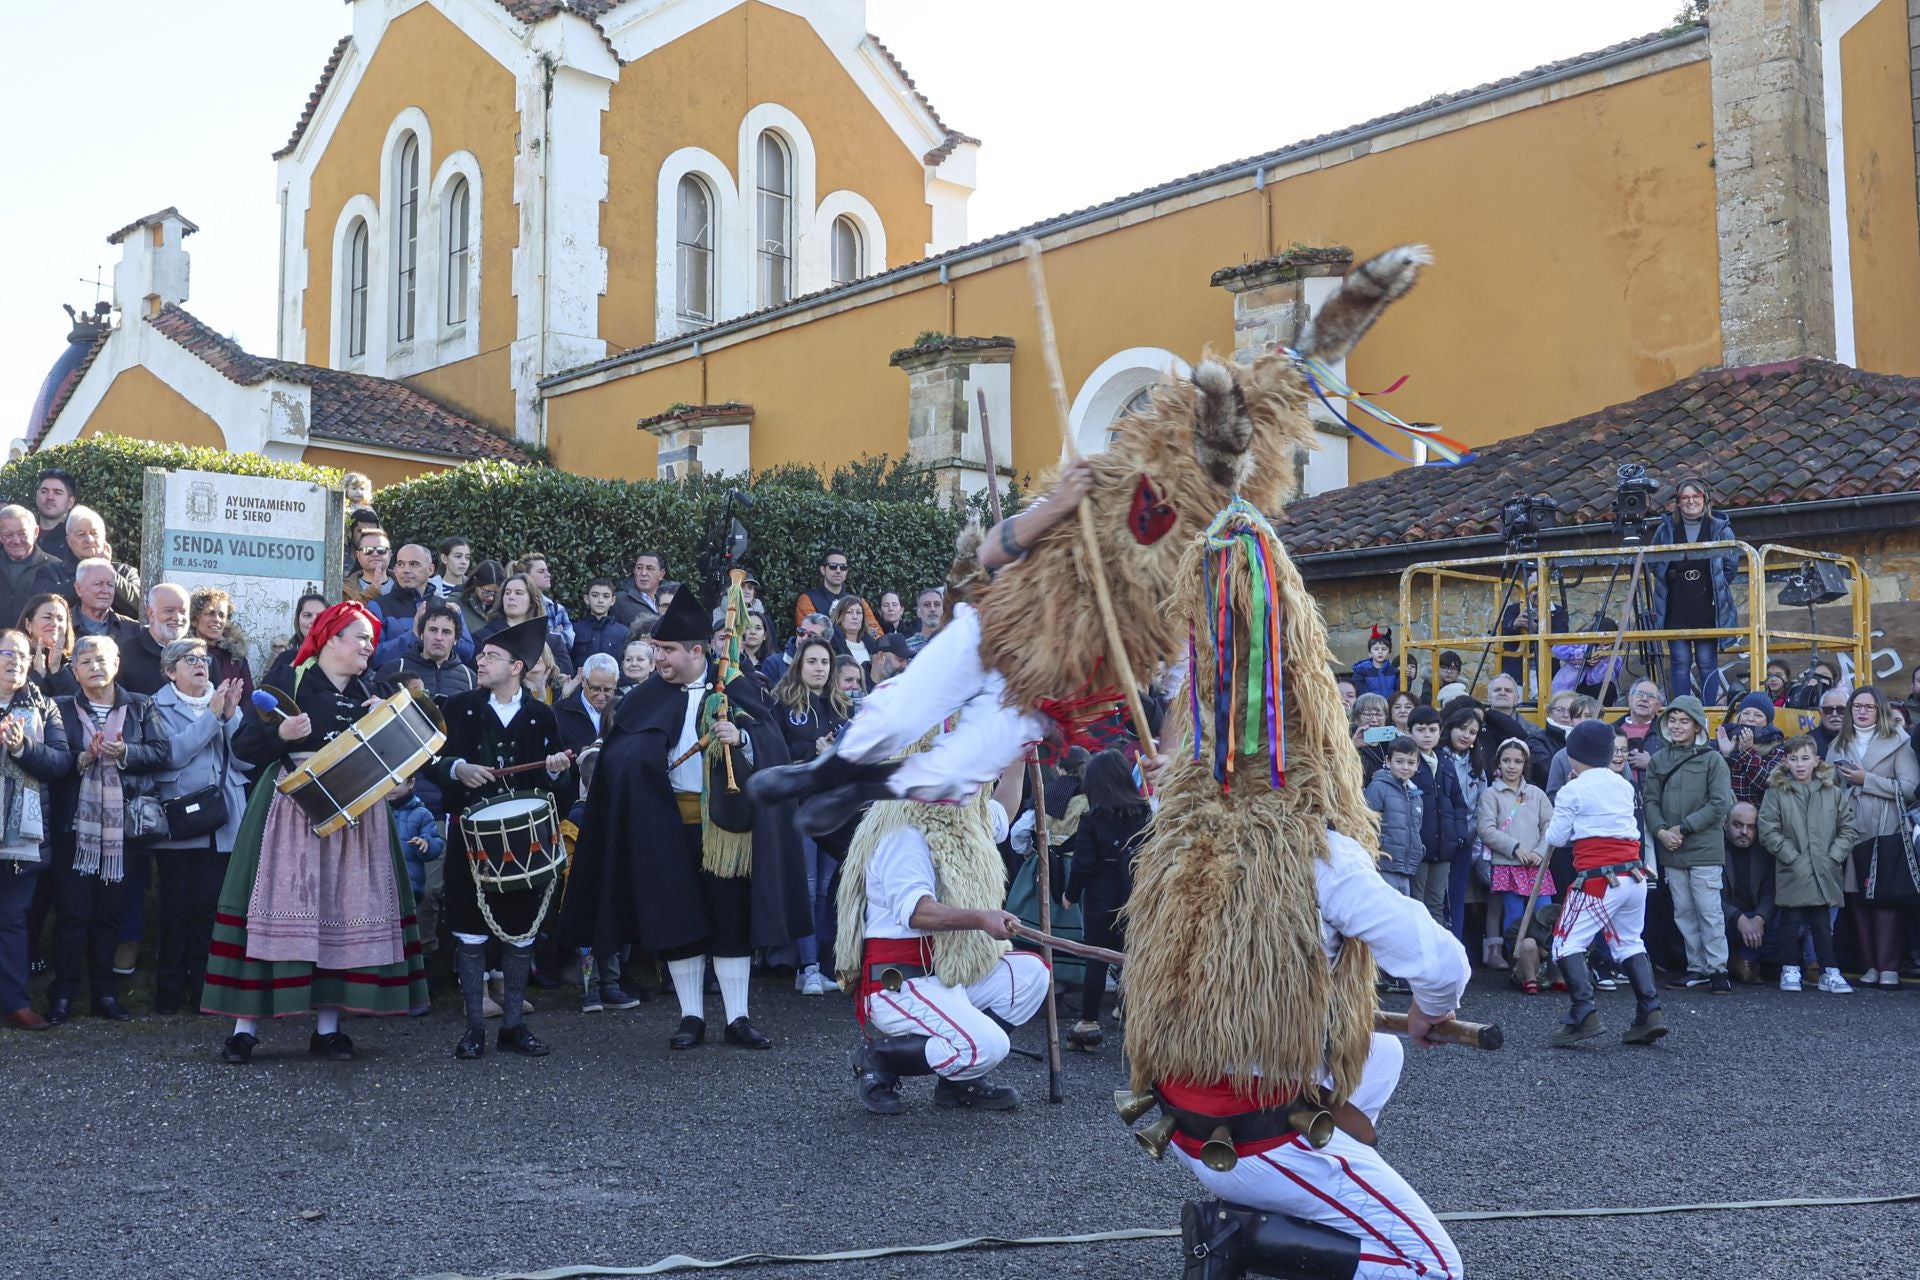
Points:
(331, 623)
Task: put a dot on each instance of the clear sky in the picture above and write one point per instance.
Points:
(123, 107)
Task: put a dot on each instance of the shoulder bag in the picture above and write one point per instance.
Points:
(201, 812)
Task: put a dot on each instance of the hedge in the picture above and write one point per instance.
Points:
(883, 515)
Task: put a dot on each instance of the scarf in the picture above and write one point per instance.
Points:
(20, 793)
(99, 824)
(197, 705)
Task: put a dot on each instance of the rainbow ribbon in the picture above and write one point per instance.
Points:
(1326, 383)
(1240, 530)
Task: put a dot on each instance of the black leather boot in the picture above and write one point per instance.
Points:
(1649, 1024)
(1222, 1241)
(826, 813)
(824, 772)
(975, 1095)
(880, 1063)
(1583, 1019)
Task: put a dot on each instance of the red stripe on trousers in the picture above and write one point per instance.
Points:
(1363, 1224)
(1396, 1211)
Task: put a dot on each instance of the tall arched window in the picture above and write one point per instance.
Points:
(406, 238)
(693, 239)
(849, 256)
(459, 250)
(356, 281)
(776, 220)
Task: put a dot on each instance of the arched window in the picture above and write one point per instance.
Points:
(775, 220)
(406, 238)
(849, 253)
(356, 290)
(693, 239)
(459, 250)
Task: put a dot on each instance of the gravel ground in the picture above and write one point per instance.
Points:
(134, 1152)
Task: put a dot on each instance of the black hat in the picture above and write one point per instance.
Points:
(894, 643)
(1591, 743)
(525, 641)
(686, 621)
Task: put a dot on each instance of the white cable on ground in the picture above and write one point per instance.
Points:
(680, 1262)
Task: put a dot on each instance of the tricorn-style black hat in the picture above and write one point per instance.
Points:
(523, 640)
(686, 621)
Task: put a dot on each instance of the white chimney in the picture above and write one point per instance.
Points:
(153, 267)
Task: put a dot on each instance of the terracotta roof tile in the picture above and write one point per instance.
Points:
(187, 225)
(348, 408)
(693, 412)
(313, 99)
(1795, 432)
(954, 139)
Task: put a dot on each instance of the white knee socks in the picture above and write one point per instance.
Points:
(245, 1027)
(690, 984)
(733, 972)
(326, 1022)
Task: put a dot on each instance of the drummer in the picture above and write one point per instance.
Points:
(306, 922)
(490, 728)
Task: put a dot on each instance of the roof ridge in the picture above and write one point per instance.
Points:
(313, 99)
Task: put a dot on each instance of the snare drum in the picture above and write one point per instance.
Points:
(513, 842)
(354, 772)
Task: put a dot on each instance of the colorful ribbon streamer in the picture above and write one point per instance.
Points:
(1240, 531)
(1326, 383)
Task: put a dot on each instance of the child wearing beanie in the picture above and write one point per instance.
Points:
(1594, 813)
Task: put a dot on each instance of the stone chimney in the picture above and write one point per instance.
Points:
(153, 268)
(947, 377)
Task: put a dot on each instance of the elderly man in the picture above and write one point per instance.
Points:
(638, 605)
(1746, 896)
(581, 712)
(87, 540)
(53, 499)
(140, 667)
(1641, 724)
(25, 570)
(96, 602)
(1503, 719)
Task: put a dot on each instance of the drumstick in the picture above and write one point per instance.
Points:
(266, 704)
(522, 768)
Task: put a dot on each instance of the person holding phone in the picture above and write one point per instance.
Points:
(1371, 732)
(812, 711)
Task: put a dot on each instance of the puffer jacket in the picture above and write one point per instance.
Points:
(1690, 788)
(1808, 828)
(1511, 820)
(1399, 805)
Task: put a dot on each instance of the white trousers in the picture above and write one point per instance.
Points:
(1348, 1186)
(963, 1043)
(1619, 915)
(944, 677)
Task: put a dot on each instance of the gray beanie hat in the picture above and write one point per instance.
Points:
(1591, 743)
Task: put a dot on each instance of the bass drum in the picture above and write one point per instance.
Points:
(354, 772)
(513, 842)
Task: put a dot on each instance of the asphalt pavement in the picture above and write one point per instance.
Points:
(132, 1151)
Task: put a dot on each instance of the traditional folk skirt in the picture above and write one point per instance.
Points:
(332, 921)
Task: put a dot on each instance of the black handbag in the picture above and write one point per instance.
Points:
(200, 813)
(1889, 874)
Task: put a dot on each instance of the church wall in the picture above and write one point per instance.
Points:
(139, 405)
(379, 470)
(1514, 327)
(1885, 241)
(422, 61)
(673, 98)
(479, 388)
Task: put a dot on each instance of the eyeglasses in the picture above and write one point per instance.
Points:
(837, 568)
(12, 655)
(196, 660)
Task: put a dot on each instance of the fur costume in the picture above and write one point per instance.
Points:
(1227, 431)
(967, 872)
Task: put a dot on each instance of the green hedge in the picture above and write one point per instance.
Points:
(882, 514)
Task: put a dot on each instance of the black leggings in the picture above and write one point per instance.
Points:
(1101, 927)
(1819, 920)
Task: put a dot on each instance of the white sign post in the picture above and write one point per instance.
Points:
(265, 542)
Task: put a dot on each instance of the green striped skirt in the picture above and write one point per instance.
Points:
(238, 986)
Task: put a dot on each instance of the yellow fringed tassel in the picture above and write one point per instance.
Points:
(723, 853)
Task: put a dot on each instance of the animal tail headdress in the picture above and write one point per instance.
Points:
(1368, 290)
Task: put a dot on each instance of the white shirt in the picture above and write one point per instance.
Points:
(1407, 942)
(900, 875)
(592, 715)
(505, 711)
(1597, 803)
(686, 777)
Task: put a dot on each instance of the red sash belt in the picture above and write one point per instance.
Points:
(888, 951)
(1223, 1097)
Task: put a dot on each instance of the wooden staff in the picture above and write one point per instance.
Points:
(1089, 544)
(1084, 950)
(1471, 1035)
(1043, 872)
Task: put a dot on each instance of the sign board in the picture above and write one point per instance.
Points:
(266, 542)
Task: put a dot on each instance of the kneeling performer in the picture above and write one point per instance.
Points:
(923, 943)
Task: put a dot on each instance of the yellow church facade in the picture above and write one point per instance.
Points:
(718, 235)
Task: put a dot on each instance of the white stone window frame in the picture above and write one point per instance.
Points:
(703, 241)
(809, 260)
(733, 264)
(818, 262)
(455, 341)
(392, 357)
(358, 209)
(1116, 380)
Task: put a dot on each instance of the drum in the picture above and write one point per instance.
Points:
(513, 842)
(354, 772)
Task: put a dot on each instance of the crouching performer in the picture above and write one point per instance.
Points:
(923, 944)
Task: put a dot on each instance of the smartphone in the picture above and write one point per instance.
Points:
(1381, 736)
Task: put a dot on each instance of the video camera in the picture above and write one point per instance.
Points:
(1633, 503)
(1524, 518)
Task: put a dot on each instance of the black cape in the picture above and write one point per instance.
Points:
(633, 879)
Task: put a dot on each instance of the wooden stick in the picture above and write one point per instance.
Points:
(1472, 1035)
(1089, 543)
(1043, 878)
(1084, 950)
(522, 768)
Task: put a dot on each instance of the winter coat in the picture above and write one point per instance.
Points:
(146, 754)
(1722, 565)
(1893, 776)
(593, 635)
(1808, 828)
(1746, 882)
(1368, 678)
(1510, 821)
(1102, 848)
(441, 680)
(1463, 803)
(411, 820)
(1399, 805)
(1690, 788)
(196, 755)
(1441, 807)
